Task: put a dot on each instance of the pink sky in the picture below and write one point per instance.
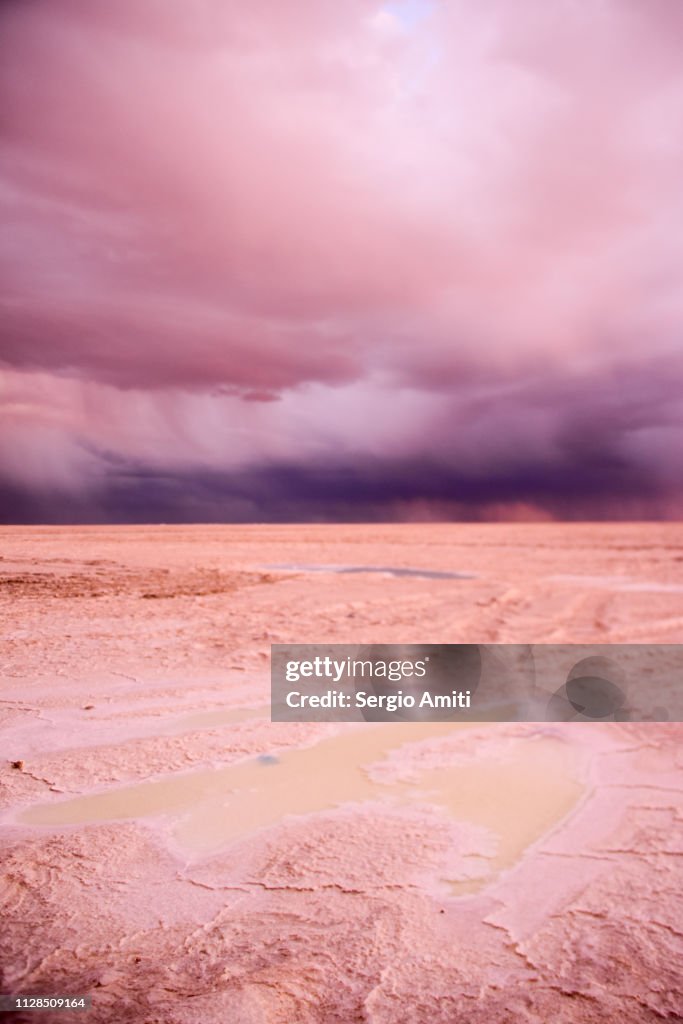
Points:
(289, 255)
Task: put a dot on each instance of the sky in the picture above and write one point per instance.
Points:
(325, 261)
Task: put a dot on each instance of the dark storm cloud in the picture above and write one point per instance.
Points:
(300, 260)
(581, 448)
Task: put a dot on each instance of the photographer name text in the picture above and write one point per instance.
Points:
(457, 699)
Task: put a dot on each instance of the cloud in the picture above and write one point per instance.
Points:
(586, 445)
(350, 235)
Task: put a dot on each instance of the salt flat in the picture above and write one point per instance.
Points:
(169, 849)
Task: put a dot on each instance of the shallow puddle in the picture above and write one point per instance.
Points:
(519, 799)
(518, 795)
(386, 570)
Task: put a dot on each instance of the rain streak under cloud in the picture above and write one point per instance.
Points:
(323, 260)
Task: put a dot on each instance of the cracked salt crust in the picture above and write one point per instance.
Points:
(341, 913)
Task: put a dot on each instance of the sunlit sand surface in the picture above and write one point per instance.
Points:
(169, 849)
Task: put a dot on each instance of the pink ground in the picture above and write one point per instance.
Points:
(116, 639)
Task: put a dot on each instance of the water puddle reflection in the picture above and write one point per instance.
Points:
(385, 570)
